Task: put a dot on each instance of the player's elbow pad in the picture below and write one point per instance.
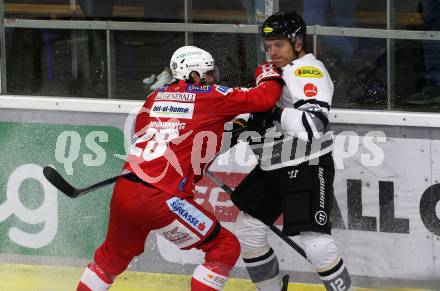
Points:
(314, 126)
(320, 121)
(304, 125)
(292, 123)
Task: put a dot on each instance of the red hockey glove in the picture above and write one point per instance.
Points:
(267, 71)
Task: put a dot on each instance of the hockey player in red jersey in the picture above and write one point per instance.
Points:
(178, 133)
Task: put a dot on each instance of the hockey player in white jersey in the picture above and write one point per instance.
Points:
(295, 173)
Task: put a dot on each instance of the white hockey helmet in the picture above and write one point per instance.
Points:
(188, 59)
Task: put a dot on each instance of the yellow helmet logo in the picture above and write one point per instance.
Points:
(267, 29)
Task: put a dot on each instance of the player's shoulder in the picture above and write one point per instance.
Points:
(305, 67)
(213, 89)
(222, 90)
(198, 88)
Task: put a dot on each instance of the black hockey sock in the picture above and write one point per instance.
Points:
(264, 271)
(336, 278)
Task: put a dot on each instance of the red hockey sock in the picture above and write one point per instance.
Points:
(221, 254)
(94, 279)
(205, 278)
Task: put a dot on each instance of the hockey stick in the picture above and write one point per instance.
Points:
(272, 227)
(55, 178)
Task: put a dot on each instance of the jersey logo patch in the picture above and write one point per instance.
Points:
(176, 96)
(310, 90)
(198, 88)
(321, 217)
(164, 88)
(178, 234)
(223, 90)
(292, 174)
(172, 110)
(309, 72)
(190, 214)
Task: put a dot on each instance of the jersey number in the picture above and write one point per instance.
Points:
(157, 143)
(338, 285)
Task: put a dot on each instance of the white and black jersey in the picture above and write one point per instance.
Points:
(304, 132)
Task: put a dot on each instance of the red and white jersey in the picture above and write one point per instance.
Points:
(180, 126)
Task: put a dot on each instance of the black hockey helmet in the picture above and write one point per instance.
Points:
(283, 24)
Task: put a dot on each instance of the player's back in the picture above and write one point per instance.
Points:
(180, 128)
(180, 133)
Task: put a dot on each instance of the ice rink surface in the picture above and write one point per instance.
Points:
(20, 277)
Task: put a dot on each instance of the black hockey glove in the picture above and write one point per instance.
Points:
(276, 113)
(260, 122)
(238, 126)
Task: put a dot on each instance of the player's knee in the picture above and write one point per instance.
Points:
(252, 251)
(235, 250)
(223, 250)
(112, 260)
(253, 236)
(320, 248)
(231, 246)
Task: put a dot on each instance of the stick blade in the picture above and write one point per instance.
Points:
(59, 182)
